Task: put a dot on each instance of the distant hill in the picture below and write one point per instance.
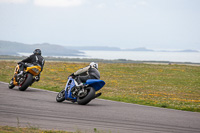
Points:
(106, 48)
(139, 49)
(95, 48)
(13, 48)
(188, 50)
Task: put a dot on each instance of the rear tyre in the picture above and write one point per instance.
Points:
(61, 96)
(28, 81)
(85, 100)
(11, 85)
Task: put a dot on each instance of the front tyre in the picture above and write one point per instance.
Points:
(61, 96)
(86, 99)
(11, 85)
(28, 81)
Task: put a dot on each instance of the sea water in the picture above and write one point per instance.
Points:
(193, 57)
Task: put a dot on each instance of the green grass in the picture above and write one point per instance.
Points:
(8, 129)
(167, 86)
(31, 129)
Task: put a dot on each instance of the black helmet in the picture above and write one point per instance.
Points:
(37, 51)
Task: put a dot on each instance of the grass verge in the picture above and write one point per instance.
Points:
(31, 129)
(9, 129)
(167, 86)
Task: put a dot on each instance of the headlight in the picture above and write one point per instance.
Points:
(35, 70)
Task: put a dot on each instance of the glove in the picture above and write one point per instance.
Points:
(21, 63)
(72, 75)
(37, 78)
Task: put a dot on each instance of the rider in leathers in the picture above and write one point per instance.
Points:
(35, 59)
(89, 72)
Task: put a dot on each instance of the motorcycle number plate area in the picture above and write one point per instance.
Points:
(68, 93)
(95, 83)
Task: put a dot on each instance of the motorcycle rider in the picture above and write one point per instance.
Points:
(88, 72)
(83, 74)
(35, 59)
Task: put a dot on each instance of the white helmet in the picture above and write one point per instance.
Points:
(94, 65)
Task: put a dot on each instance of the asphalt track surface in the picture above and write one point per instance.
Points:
(38, 108)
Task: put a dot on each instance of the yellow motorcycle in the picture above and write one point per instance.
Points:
(28, 77)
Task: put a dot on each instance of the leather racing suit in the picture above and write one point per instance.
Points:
(83, 74)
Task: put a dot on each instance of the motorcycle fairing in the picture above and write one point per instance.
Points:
(95, 83)
(70, 84)
(15, 75)
(35, 70)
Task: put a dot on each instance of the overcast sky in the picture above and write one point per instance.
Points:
(155, 24)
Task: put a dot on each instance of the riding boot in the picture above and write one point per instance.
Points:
(21, 72)
(79, 86)
(97, 95)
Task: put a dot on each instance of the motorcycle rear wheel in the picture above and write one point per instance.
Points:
(28, 81)
(85, 100)
(61, 96)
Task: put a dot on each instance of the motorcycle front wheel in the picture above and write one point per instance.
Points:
(11, 85)
(89, 96)
(28, 81)
(61, 96)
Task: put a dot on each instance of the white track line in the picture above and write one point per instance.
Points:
(106, 100)
(33, 88)
(57, 92)
(95, 98)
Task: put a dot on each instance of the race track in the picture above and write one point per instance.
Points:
(38, 108)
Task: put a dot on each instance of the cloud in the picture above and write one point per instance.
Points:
(13, 1)
(102, 5)
(131, 4)
(143, 3)
(58, 3)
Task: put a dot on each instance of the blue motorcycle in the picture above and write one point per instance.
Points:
(81, 94)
